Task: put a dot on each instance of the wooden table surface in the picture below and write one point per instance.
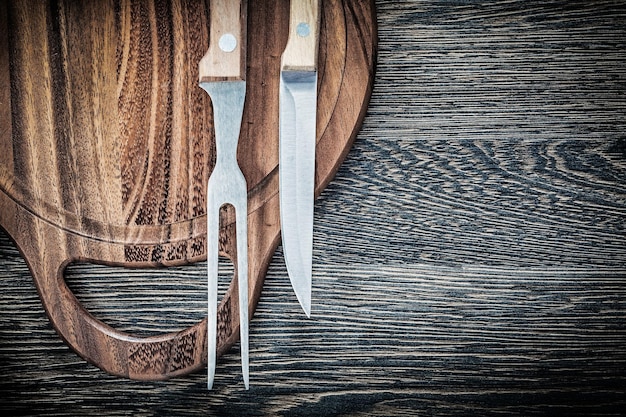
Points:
(469, 257)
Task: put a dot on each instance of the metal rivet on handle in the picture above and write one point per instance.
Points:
(303, 29)
(228, 42)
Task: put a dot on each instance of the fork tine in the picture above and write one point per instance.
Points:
(241, 212)
(212, 277)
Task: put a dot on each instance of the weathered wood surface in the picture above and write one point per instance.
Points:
(470, 256)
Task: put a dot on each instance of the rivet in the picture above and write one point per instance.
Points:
(227, 42)
(303, 29)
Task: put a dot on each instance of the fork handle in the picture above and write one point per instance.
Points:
(302, 44)
(225, 59)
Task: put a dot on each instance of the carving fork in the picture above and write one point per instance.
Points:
(223, 74)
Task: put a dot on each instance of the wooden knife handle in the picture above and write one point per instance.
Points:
(302, 45)
(225, 59)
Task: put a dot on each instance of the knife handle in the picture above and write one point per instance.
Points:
(225, 59)
(302, 44)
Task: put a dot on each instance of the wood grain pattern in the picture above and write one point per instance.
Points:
(469, 256)
(111, 146)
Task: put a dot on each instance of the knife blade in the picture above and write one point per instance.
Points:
(297, 118)
(222, 73)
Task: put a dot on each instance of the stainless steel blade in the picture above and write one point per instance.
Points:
(298, 109)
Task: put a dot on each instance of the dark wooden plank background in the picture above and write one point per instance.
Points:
(470, 256)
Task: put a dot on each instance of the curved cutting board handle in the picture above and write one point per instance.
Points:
(151, 358)
(118, 353)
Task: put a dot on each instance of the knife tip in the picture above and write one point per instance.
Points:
(306, 306)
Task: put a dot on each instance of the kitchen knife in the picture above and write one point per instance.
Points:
(298, 110)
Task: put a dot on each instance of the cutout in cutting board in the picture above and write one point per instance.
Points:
(107, 147)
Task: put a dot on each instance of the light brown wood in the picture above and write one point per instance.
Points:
(228, 24)
(302, 44)
(110, 143)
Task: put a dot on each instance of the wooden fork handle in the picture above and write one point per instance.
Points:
(225, 59)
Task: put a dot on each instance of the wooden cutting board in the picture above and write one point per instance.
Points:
(107, 145)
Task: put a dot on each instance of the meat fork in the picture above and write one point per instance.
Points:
(223, 76)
